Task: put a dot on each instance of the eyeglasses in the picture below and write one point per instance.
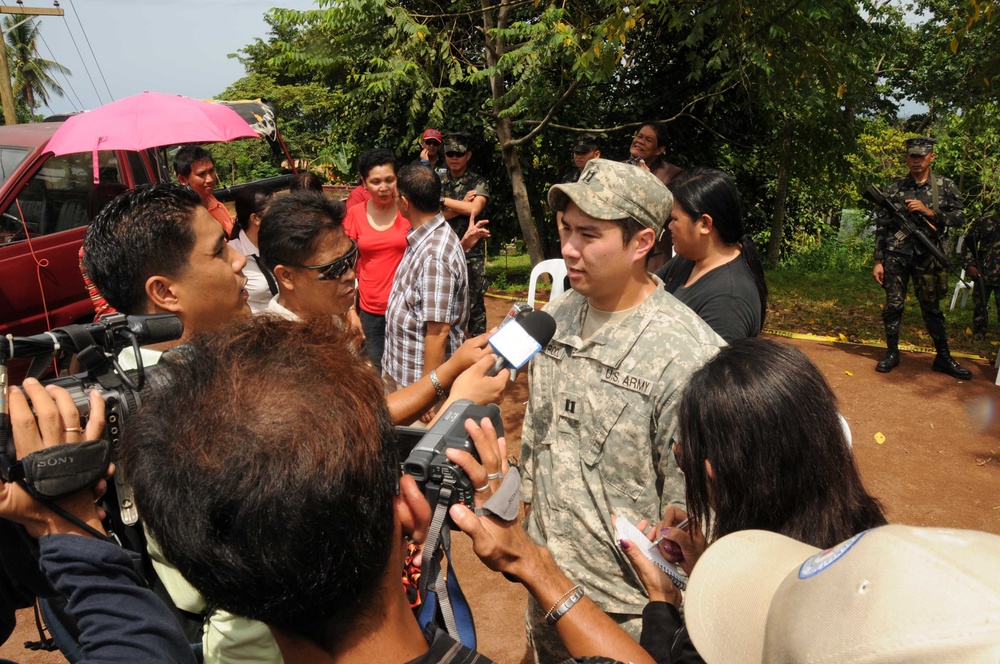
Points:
(455, 155)
(334, 269)
(433, 142)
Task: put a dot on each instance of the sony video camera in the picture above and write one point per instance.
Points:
(426, 461)
(96, 346)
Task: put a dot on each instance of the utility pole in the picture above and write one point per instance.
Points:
(6, 91)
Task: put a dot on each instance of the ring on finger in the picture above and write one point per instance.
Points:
(482, 488)
(73, 429)
(494, 476)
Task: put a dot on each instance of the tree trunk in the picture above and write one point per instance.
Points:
(780, 198)
(522, 205)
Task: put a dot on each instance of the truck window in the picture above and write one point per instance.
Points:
(56, 198)
(10, 159)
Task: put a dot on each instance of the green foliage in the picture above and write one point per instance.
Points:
(32, 75)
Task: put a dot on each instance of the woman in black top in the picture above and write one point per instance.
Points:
(717, 270)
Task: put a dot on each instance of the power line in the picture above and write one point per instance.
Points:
(79, 105)
(84, 63)
(92, 54)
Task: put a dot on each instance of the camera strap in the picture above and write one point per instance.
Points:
(439, 587)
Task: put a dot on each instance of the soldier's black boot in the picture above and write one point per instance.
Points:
(891, 359)
(944, 362)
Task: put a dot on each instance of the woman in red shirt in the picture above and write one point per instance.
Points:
(380, 232)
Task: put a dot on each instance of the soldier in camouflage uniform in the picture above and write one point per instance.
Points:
(981, 257)
(464, 195)
(598, 430)
(897, 260)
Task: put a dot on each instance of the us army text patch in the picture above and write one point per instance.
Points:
(629, 382)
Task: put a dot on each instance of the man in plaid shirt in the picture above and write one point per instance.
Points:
(429, 304)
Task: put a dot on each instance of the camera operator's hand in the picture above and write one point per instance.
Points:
(58, 422)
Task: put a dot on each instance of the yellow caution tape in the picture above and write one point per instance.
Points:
(873, 344)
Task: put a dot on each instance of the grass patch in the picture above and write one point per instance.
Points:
(828, 291)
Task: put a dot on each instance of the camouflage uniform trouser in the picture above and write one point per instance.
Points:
(476, 266)
(545, 641)
(980, 299)
(930, 284)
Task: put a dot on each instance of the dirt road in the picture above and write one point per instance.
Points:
(939, 465)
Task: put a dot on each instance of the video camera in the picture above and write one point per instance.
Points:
(96, 346)
(426, 461)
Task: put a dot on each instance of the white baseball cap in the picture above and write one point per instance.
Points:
(890, 594)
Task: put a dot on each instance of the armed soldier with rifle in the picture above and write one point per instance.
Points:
(930, 203)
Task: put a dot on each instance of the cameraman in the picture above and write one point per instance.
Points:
(119, 619)
(288, 509)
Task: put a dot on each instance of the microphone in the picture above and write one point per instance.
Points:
(519, 340)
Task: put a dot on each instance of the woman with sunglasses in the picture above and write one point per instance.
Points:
(717, 271)
(302, 239)
(380, 232)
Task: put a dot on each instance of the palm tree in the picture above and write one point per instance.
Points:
(31, 75)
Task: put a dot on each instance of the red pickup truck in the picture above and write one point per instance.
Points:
(43, 217)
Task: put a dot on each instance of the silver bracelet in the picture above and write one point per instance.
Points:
(555, 613)
(442, 394)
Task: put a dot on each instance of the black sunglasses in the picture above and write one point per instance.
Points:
(432, 142)
(455, 155)
(335, 269)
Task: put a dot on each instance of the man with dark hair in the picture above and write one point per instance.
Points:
(288, 508)
(600, 421)
(428, 306)
(195, 168)
(302, 240)
(463, 199)
(155, 249)
(935, 204)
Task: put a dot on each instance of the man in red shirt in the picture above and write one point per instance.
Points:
(195, 168)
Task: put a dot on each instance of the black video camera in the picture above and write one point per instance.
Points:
(96, 346)
(426, 461)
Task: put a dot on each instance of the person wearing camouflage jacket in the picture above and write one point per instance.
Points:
(598, 431)
(981, 259)
(899, 258)
(463, 198)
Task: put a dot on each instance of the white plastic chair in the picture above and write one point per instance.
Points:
(556, 268)
(962, 286)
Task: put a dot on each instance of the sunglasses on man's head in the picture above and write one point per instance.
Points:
(455, 155)
(335, 269)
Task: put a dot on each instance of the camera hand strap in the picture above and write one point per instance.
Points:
(439, 586)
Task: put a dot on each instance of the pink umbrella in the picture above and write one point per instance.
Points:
(148, 120)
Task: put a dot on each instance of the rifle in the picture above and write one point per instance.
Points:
(907, 227)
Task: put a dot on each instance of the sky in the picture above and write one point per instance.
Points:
(170, 46)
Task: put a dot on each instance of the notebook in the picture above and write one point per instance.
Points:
(626, 531)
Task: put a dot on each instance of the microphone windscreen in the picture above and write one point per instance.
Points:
(539, 325)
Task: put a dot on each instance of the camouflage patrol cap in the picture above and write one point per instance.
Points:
(611, 191)
(456, 143)
(922, 145)
(586, 143)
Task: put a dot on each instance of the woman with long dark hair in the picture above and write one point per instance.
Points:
(251, 204)
(761, 446)
(717, 271)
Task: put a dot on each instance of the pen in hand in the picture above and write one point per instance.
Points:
(675, 552)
